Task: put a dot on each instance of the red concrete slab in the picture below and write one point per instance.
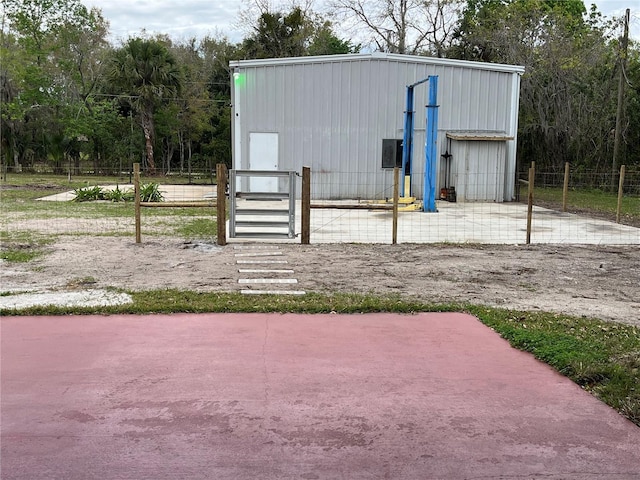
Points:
(226, 396)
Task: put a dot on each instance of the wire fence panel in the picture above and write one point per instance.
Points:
(37, 211)
(590, 180)
(474, 214)
(33, 207)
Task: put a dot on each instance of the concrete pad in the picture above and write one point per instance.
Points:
(489, 223)
(495, 223)
(83, 298)
(272, 396)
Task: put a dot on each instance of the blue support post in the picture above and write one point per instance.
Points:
(430, 148)
(407, 142)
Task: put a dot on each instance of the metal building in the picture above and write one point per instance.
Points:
(333, 114)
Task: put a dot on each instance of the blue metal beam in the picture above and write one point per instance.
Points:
(431, 138)
(407, 141)
(430, 148)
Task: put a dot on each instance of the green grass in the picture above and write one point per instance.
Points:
(63, 181)
(22, 246)
(602, 357)
(19, 255)
(591, 200)
(197, 229)
(22, 204)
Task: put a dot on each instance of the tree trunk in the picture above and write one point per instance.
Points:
(181, 141)
(148, 130)
(189, 159)
(16, 154)
(169, 155)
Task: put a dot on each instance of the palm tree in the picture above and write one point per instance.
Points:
(145, 70)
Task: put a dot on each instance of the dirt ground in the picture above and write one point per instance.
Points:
(592, 281)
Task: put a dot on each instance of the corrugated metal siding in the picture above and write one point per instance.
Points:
(477, 170)
(333, 115)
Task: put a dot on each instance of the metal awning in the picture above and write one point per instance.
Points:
(479, 136)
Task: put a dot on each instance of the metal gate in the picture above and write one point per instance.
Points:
(262, 214)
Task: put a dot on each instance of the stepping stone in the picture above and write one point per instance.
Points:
(249, 270)
(267, 280)
(260, 262)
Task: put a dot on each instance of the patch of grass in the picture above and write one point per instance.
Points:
(19, 255)
(175, 301)
(602, 357)
(179, 212)
(591, 200)
(197, 228)
(44, 180)
(22, 203)
(51, 180)
(21, 246)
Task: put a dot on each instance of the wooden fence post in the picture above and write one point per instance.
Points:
(620, 192)
(565, 188)
(532, 172)
(396, 189)
(306, 206)
(221, 204)
(136, 193)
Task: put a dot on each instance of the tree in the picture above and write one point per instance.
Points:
(325, 42)
(50, 53)
(279, 34)
(299, 32)
(146, 73)
(632, 132)
(566, 98)
(417, 27)
(216, 54)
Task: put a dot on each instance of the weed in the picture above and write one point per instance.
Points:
(88, 194)
(150, 192)
(82, 282)
(117, 195)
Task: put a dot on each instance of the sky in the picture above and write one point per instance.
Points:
(185, 19)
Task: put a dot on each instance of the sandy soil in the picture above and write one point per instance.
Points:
(592, 281)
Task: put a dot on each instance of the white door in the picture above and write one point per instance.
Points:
(263, 155)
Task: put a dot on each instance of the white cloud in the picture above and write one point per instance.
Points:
(184, 19)
(616, 8)
(196, 18)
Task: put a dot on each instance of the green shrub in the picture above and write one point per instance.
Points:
(150, 192)
(117, 195)
(88, 194)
